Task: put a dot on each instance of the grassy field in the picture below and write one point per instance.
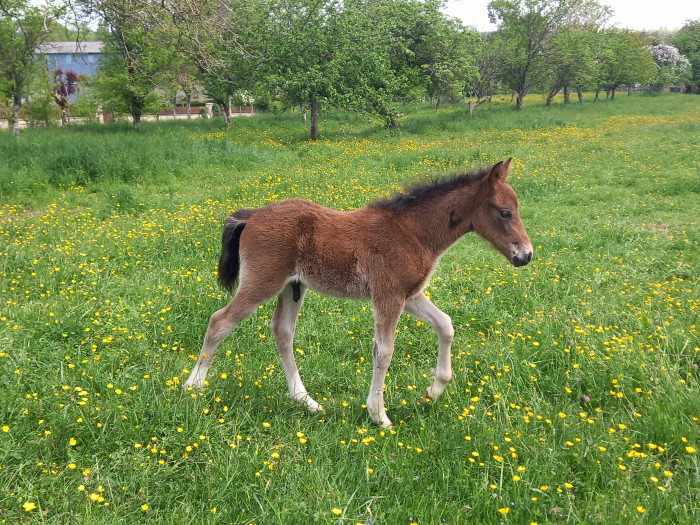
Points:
(576, 395)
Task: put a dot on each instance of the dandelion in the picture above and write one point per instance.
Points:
(504, 510)
(641, 509)
(144, 507)
(29, 506)
(690, 450)
(336, 511)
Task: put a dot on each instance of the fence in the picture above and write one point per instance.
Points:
(175, 113)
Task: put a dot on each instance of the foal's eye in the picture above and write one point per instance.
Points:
(505, 214)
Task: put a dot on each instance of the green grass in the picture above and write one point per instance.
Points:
(575, 397)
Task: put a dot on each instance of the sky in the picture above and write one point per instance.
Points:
(638, 15)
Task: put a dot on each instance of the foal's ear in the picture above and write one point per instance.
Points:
(501, 170)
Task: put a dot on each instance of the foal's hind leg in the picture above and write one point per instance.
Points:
(248, 297)
(283, 324)
(421, 307)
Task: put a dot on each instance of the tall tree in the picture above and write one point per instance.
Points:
(527, 29)
(485, 79)
(444, 53)
(571, 61)
(626, 60)
(672, 68)
(330, 53)
(687, 41)
(23, 28)
(124, 77)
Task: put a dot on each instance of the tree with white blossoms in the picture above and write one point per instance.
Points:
(672, 67)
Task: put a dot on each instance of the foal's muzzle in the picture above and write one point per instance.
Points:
(521, 256)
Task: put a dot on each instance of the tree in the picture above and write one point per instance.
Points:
(122, 78)
(625, 61)
(687, 41)
(376, 56)
(485, 79)
(672, 67)
(130, 66)
(303, 54)
(64, 85)
(570, 61)
(23, 28)
(445, 58)
(527, 29)
(330, 53)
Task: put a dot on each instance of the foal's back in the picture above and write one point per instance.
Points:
(333, 252)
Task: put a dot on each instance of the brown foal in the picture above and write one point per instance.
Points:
(384, 252)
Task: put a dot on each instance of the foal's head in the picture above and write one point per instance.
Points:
(497, 219)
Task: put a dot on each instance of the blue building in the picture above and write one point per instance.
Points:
(81, 57)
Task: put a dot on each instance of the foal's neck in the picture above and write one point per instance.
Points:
(440, 221)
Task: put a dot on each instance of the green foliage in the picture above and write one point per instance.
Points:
(687, 40)
(525, 37)
(576, 377)
(23, 28)
(627, 60)
(129, 69)
(41, 107)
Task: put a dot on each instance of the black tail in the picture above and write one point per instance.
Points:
(229, 261)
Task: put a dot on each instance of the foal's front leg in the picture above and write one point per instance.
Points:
(421, 307)
(386, 317)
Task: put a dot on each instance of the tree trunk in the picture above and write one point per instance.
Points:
(437, 105)
(226, 110)
(16, 104)
(520, 99)
(389, 118)
(580, 94)
(188, 98)
(479, 101)
(303, 112)
(550, 96)
(512, 96)
(629, 90)
(315, 110)
(566, 94)
(137, 120)
(612, 93)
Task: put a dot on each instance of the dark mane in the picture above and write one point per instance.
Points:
(421, 191)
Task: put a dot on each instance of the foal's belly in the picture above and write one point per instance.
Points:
(344, 286)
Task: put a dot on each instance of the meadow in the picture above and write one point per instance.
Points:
(576, 396)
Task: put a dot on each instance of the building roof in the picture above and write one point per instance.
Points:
(71, 48)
